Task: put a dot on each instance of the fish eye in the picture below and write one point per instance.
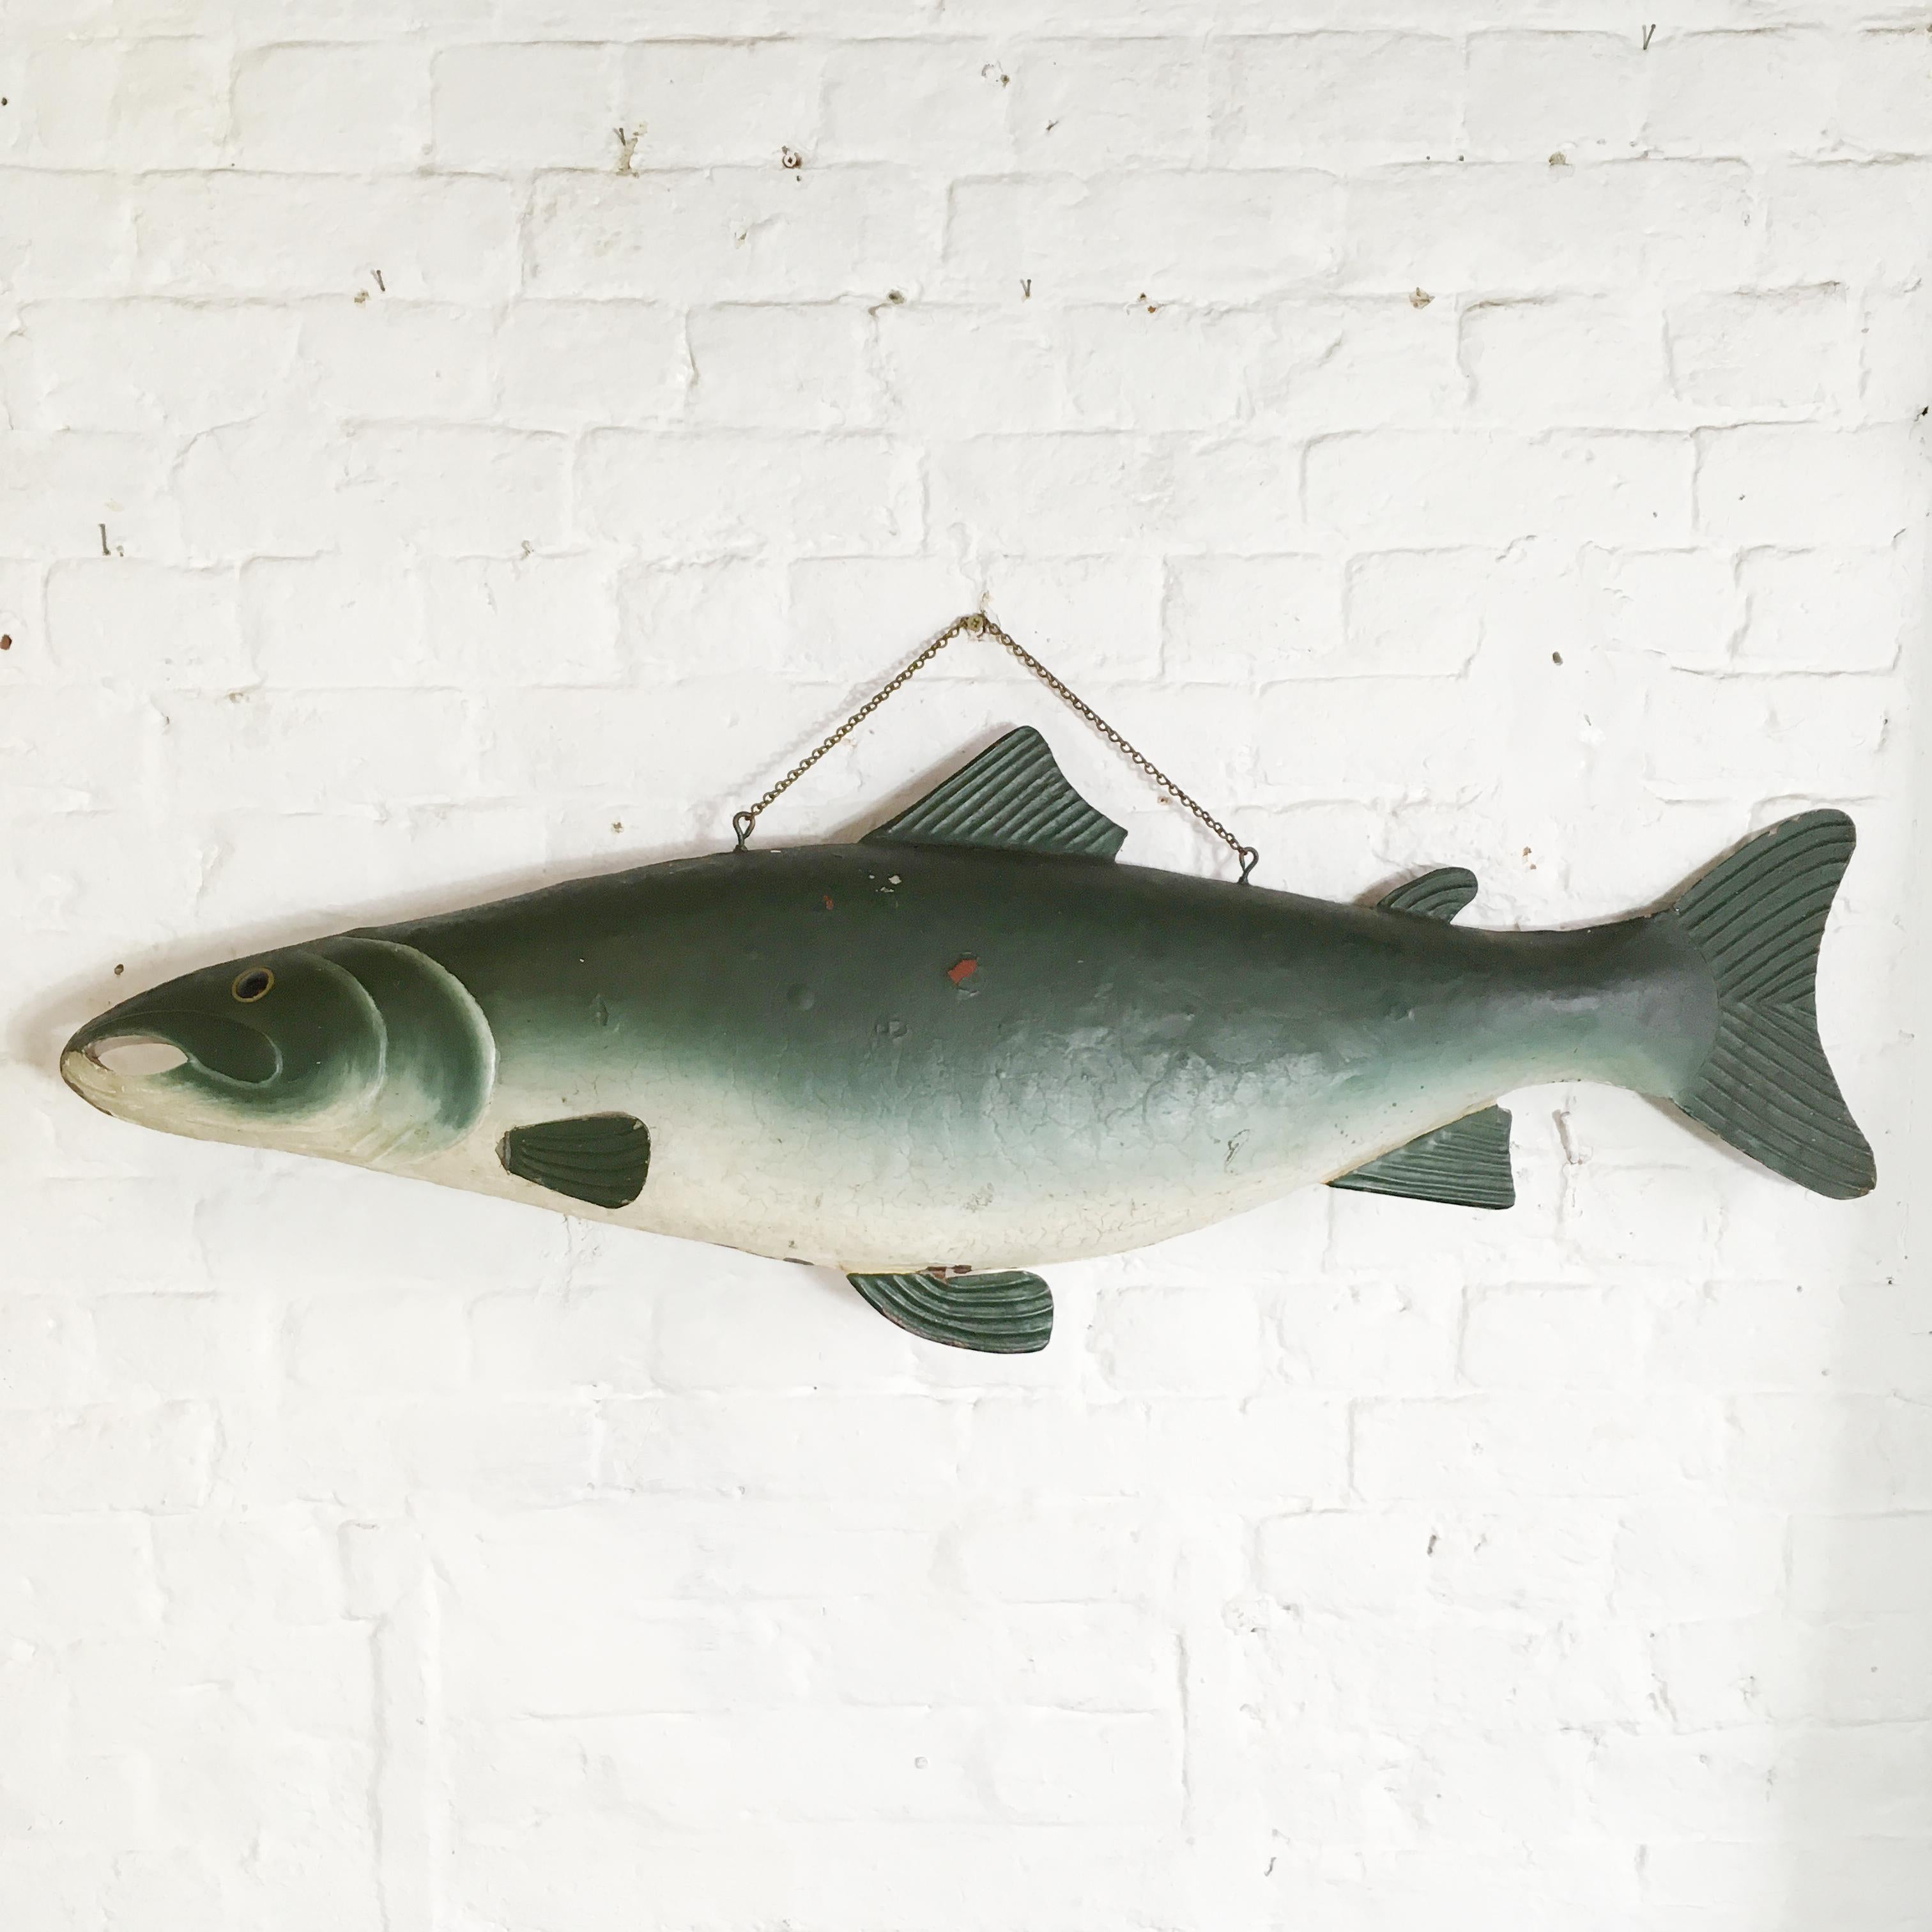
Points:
(252, 985)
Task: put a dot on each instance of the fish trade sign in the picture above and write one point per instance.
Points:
(971, 1043)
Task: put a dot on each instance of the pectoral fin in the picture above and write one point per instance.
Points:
(1466, 1164)
(600, 1158)
(1008, 1313)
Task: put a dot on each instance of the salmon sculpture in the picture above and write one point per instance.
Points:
(971, 1043)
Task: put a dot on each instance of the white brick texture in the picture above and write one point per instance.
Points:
(447, 447)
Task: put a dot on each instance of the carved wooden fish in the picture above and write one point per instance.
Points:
(972, 1041)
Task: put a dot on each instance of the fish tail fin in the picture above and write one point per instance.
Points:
(1765, 1086)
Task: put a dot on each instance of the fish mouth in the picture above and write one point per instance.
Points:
(119, 1054)
(135, 1056)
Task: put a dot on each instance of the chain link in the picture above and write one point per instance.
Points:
(978, 625)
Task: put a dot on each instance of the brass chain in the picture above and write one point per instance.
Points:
(978, 625)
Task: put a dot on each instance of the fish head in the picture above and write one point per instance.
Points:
(354, 1048)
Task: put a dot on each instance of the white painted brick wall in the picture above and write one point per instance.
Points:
(444, 449)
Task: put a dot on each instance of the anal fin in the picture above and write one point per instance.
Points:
(1466, 1165)
(1006, 1313)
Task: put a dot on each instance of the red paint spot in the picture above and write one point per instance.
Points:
(962, 971)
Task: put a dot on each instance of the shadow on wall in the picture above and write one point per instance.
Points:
(1844, 1673)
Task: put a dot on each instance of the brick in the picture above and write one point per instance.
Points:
(251, 235)
(1075, 1555)
(1351, 99)
(1414, 613)
(701, 104)
(1805, 485)
(1533, 94)
(1186, 1340)
(1345, 1561)
(1373, 1336)
(47, 1348)
(1895, 363)
(1249, 619)
(1479, 1446)
(1853, 1565)
(58, 490)
(135, 104)
(1105, 613)
(414, 747)
(1307, 749)
(455, 491)
(601, 1339)
(1532, 1338)
(876, 1445)
(566, 364)
(1884, 83)
(1463, 487)
(358, 1344)
(1685, 605)
(686, 496)
(1698, 1562)
(65, 235)
(945, 106)
(1160, 235)
(106, 1458)
(724, 614)
(1098, 1658)
(119, 616)
(1065, 1767)
(1786, 352)
(333, 621)
(1070, 495)
(332, 109)
(951, 372)
(179, 1347)
(840, 608)
(396, 360)
(790, 1330)
(1083, 107)
(759, 366)
(731, 234)
(1591, 363)
(1529, 229)
(520, 621)
(1772, 1441)
(368, 1458)
(1862, 223)
(533, 105)
(1152, 368)
(1729, 93)
(1325, 366)
(1825, 609)
(140, 366)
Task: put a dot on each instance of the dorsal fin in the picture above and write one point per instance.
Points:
(1012, 796)
(1441, 894)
